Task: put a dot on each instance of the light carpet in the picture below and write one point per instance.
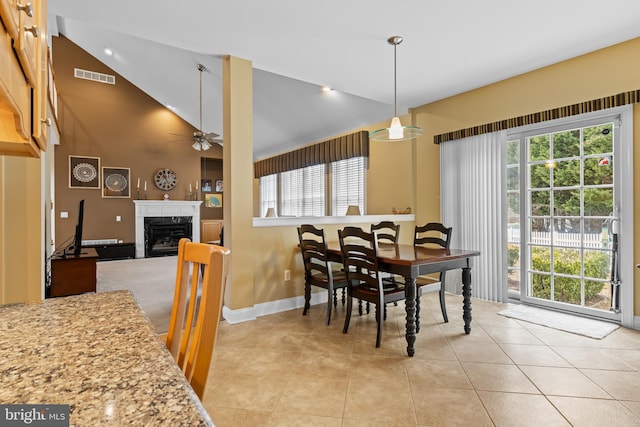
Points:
(150, 280)
(565, 322)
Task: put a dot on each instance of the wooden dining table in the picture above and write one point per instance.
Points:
(411, 261)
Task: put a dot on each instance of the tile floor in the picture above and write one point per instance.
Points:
(288, 370)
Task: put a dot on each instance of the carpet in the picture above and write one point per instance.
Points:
(565, 322)
(150, 280)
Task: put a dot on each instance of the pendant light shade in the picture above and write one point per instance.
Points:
(395, 132)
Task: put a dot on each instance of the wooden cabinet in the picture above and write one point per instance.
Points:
(71, 275)
(23, 77)
(210, 230)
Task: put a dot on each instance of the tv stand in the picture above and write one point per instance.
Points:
(71, 274)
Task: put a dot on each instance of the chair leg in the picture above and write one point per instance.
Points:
(329, 291)
(344, 293)
(360, 307)
(379, 314)
(368, 307)
(443, 306)
(335, 298)
(418, 312)
(347, 317)
(307, 299)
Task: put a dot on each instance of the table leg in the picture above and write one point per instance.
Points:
(410, 307)
(466, 299)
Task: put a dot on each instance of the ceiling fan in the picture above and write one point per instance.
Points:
(201, 141)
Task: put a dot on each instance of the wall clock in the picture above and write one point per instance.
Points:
(165, 179)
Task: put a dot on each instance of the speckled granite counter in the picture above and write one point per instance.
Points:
(97, 353)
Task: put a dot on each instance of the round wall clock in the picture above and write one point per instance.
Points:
(165, 179)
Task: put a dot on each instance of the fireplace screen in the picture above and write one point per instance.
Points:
(162, 234)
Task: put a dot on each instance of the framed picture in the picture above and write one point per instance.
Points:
(115, 182)
(206, 186)
(219, 186)
(213, 200)
(84, 172)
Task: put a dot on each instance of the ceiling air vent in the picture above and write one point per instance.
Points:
(93, 76)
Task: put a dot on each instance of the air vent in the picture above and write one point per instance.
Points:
(93, 76)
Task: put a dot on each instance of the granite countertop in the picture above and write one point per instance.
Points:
(98, 354)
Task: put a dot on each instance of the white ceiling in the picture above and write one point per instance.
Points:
(296, 47)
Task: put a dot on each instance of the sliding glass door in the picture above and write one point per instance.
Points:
(563, 199)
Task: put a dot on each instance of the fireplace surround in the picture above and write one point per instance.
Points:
(172, 219)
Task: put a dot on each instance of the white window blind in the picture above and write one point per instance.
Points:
(347, 185)
(268, 193)
(302, 191)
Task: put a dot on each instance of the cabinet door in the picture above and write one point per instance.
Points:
(41, 121)
(9, 15)
(25, 43)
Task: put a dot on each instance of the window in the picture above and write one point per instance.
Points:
(315, 190)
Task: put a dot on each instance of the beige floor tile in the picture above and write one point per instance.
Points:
(388, 402)
(563, 382)
(621, 385)
(631, 357)
(329, 343)
(279, 419)
(497, 377)
(469, 351)
(438, 406)
(378, 368)
(431, 347)
(518, 335)
(592, 358)
(233, 417)
(595, 412)
(534, 355)
(266, 362)
(633, 406)
(367, 423)
(307, 365)
(246, 391)
(438, 373)
(323, 397)
(555, 337)
(521, 410)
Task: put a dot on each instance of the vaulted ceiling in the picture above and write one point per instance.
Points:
(296, 47)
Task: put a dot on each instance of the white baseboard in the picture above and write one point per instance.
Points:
(271, 307)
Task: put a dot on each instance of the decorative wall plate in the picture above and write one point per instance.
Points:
(115, 182)
(165, 179)
(85, 172)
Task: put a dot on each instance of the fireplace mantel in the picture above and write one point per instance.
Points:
(165, 208)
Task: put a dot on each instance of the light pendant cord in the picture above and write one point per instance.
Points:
(395, 81)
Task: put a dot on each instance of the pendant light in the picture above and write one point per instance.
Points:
(395, 132)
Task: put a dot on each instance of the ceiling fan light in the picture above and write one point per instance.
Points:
(205, 145)
(196, 146)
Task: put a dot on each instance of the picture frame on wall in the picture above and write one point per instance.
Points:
(84, 172)
(206, 186)
(219, 188)
(116, 182)
(213, 200)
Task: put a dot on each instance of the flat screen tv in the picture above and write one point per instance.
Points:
(77, 237)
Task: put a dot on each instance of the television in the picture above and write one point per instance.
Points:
(76, 246)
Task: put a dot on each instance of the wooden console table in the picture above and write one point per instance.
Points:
(71, 275)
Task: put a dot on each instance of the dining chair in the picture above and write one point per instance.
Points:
(386, 232)
(432, 234)
(318, 269)
(197, 308)
(360, 258)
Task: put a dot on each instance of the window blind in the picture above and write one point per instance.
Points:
(302, 191)
(347, 185)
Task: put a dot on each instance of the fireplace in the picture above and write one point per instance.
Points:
(165, 222)
(162, 234)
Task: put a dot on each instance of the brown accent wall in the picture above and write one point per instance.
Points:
(125, 128)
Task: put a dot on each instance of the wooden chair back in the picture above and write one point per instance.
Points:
(360, 258)
(432, 233)
(386, 231)
(313, 247)
(195, 315)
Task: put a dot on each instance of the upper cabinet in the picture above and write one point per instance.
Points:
(24, 77)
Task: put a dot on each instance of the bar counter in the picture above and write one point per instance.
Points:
(98, 354)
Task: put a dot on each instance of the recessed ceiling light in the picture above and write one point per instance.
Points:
(108, 51)
(326, 89)
(171, 107)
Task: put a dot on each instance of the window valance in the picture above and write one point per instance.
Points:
(612, 101)
(344, 147)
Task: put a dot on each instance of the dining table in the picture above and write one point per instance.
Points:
(411, 261)
(97, 355)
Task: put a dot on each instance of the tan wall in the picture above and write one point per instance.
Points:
(602, 73)
(124, 127)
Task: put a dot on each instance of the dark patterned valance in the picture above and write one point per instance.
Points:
(618, 100)
(341, 148)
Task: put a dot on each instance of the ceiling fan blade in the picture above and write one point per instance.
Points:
(180, 134)
(210, 135)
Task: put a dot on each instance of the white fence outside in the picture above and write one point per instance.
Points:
(592, 240)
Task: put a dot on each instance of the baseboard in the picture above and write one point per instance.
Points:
(271, 307)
